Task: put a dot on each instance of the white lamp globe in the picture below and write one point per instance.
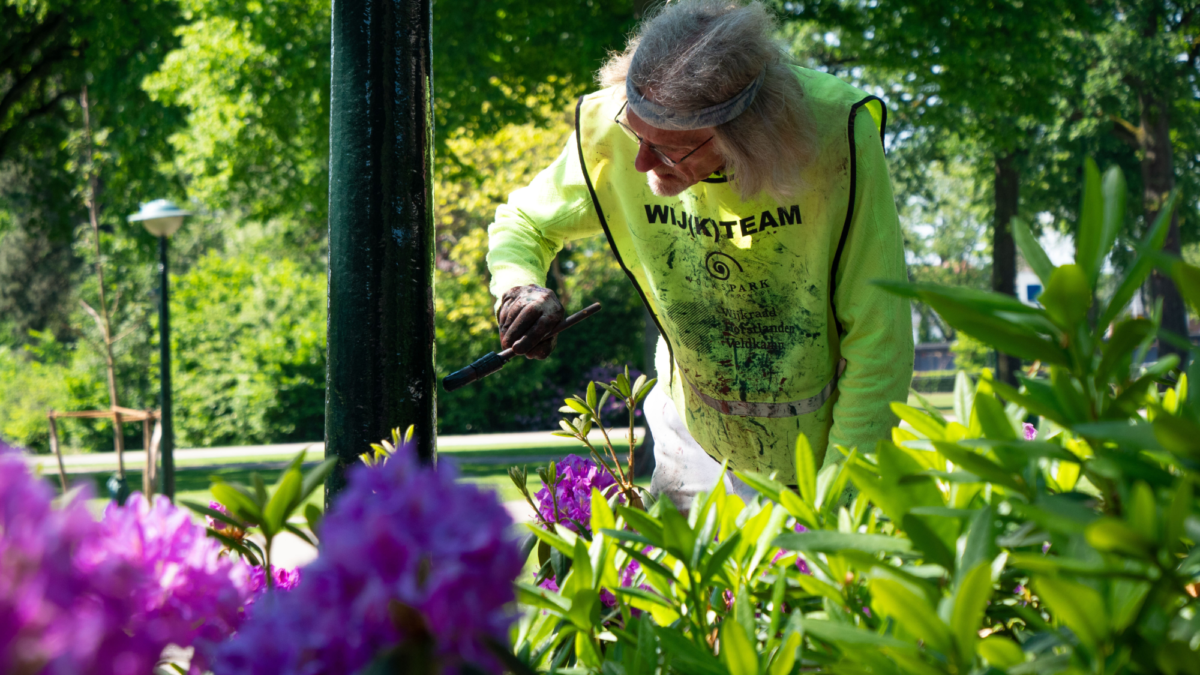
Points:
(160, 217)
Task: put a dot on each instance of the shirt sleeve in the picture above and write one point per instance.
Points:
(531, 228)
(877, 342)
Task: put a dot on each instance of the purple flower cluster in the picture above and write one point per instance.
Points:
(82, 597)
(577, 476)
(283, 578)
(191, 594)
(408, 555)
(1030, 432)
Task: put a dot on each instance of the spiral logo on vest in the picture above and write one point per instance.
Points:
(717, 268)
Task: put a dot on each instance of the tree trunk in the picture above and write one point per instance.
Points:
(1004, 249)
(1158, 179)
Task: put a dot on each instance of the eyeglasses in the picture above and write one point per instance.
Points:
(662, 156)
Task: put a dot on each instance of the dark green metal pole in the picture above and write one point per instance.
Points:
(381, 335)
(166, 443)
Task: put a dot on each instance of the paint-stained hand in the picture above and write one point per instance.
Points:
(527, 316)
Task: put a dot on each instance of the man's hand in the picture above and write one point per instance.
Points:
(527, 315)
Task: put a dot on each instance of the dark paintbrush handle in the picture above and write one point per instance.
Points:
(493, 361)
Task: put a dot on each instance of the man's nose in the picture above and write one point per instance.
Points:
(646, 159)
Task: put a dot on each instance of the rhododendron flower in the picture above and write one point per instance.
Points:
(60, 611)
(577, 476)
(408, 555)
(1030, 432)
(285, 579)
(192, 594)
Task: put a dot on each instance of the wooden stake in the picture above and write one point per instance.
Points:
(62, 473)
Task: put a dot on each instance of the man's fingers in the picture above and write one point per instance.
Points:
(540, 330)
(522, 325)
(542, 349)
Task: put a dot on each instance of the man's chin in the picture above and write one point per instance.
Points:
(666, 186)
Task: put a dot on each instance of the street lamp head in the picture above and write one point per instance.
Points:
(160, 217)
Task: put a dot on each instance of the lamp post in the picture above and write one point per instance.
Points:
(162, 218)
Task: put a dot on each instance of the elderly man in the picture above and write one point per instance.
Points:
(749, 203)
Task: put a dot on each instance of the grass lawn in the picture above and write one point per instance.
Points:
(944, 401)
(485, 466)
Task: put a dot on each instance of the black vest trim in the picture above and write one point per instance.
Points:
(837, 257)
(612, 244)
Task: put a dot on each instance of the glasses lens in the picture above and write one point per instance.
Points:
(662, 157)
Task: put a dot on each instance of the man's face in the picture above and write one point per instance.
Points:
(667, 181)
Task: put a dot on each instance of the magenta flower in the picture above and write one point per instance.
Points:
(408, 555)
(576, 478)
(213, 522)
(191, 594)
(61, 612)
(285, 579)
(1030, 432)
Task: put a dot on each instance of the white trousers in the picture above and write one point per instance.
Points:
(682, 469)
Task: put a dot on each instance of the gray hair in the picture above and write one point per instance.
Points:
(693, 54)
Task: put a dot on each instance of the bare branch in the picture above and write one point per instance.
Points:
(11, 133)
(23, 83)
(1124, 130)
(95, 316)
(34, 40)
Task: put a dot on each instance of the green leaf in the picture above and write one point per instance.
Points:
(842, 634)
(827, 541)
(981, 466)
(1126, 336)
(315, 478)
(1178, 512)
(737, 651)
(926, 539)
(1114, 216)
(921, 422)
(283, 502)
(1113, 535)
(964, 396)
(799, 508)
(685, 655)
(969, 604)
(786, 656)
(992, 419)
(313, 515)
(235, 545)
(1079, 607)
(806, 471)
(301, 534)
(647, 525)
(981, 543)
(912, 612)
(552, 539)
(238, 502)
(602, 514)
(1143, 264)
(1126, 597)
(1067, 297)
(928, 407)
(1032, 251)
(536, 596)
(1139, 434)
(579, 407)
(1001, 652)
(1091, 221)
(213, 513)
(585, 609)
